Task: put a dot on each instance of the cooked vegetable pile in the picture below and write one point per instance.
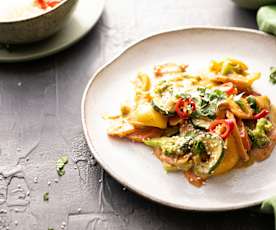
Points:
(203, 125)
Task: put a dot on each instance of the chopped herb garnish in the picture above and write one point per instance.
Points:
(241, 104)
(202, 91)
(238, 100)
(198, 147)
(61, 162)
(272, 76)
(51, 229)
(46, 196)
(208, 101)
(217, 95)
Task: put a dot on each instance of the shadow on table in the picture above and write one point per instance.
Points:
(244, 18)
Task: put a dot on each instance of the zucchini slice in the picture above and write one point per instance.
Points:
(171, 146)
(207, 162)
(201, 122)
(164, 99)
(163, 108)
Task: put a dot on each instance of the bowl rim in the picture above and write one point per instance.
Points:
(47, 11)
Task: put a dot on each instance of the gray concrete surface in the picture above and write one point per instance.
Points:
(40, 121)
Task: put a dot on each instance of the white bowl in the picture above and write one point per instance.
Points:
(38, 27)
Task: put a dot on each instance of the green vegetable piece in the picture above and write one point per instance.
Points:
(207, 102)
(253, 103)
(241, 104)
(217, 95)
(163, 100)
(227, 68)
(258, 135)
(175, 145)
(201, 122)
(60, 164)
(198, 147)
(51, 229)
(210, 155)
(46, 196)
(264, 125)
(266, 19)
(272, 76)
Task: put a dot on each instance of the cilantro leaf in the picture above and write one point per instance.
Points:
(46, 196)
(60, 164)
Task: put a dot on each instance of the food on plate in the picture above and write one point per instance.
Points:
(203, 125)
(21, 9)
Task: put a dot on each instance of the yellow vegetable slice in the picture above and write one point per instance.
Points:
(145, 115)
(240, 81)
(243, 113)
(263, 102)
(230, 159)
(120, 127)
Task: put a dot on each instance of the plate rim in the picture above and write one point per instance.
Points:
(55, 49)
(96, 154)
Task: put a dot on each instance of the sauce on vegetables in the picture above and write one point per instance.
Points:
(200, 125)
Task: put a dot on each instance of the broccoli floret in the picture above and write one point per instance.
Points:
(259, 136)
(175, 145)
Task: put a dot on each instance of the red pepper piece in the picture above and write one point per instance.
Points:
(261, 114)
(53, 3)
(42, 4)
(245, 139)
(226, 125)
(182, 107)
(229, 88)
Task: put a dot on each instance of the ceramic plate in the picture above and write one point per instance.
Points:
(83, 19)
(133, 164)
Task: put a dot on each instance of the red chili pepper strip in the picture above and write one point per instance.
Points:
(53, 3)
(182, 109)
(226, 127)
(245, 139)
(229, 88)
(261, 114)
(42, 4)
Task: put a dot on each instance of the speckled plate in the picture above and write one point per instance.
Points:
(83, 19)
(133, 164)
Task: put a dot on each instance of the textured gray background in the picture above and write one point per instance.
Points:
(40, 121)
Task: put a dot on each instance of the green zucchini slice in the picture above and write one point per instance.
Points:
(201, 122)
(209, 160)
(164, 99)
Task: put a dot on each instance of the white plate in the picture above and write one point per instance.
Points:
(83, 19)
(133, 164)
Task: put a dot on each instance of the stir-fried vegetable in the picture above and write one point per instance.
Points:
(253, 103)
(223, 127)
(201, 125)
(229, 88)
(261, 114)
(185, 107)
(259, 135)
